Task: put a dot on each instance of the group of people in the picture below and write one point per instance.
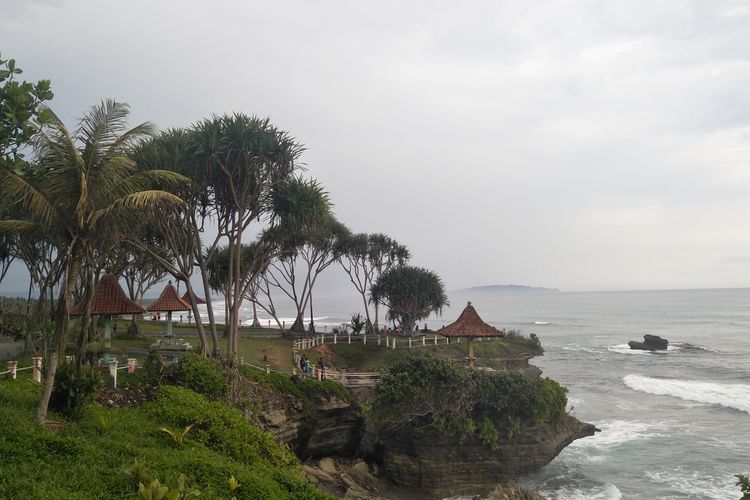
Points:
(306, 367)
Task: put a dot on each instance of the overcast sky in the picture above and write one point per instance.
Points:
(578, 145)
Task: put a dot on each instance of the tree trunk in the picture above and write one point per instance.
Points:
(256, 323)
(61, 330)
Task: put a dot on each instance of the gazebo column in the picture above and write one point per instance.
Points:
(170, 336)
(471, 352)
(107, 320)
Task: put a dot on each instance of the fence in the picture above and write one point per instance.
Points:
(12, 368)
(390, 341)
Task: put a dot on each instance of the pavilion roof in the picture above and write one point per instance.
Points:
(198, 300)
(109, 298)
(169, 301)
(469, 324)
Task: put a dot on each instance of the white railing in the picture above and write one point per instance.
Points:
(387, 341)
(12, 368)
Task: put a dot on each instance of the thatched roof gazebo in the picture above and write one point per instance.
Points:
(470, 326)
(169, 302)
(109, 298)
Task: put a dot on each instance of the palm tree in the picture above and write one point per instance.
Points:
(83, 184)
(410, 293)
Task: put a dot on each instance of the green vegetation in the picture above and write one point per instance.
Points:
(427, 394)
(303, 390)
(108, 452)
(410, 293)
(744, 483)
(201, 375)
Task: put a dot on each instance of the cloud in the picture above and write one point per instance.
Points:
(567, 144)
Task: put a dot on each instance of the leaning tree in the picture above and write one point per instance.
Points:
(410, 294)
(85, 183)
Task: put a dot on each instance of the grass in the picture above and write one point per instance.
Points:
(107, 452)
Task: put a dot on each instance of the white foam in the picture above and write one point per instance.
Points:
(625, 349)
(541, 322)
(698, 484)
(616, 432)
(736, 396)
(607, 491)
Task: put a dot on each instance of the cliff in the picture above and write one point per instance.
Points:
(443, 466)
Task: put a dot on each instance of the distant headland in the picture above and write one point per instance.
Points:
(507, 289)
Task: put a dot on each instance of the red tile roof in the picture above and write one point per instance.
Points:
(198, 300)
(109, 298)
(469, 324)
(169, 301)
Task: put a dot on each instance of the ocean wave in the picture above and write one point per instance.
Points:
(607, 491)
(541, 322)
(616, 432)
(579, 348)
(625, 349)
(735, 396)
(701, 484)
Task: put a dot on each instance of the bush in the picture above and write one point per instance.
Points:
(425, 393)
(201, 375)
(70, 394)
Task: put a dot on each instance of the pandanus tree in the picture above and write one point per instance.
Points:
(298, 209)
(84, 185)
(410, 294)
(183, 229)
(365, 257)
(247, 158)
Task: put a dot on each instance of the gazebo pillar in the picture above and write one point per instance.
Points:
(471, 352)
(170, 336)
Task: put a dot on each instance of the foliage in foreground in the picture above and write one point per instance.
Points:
(744, 483)
(427, 394)
(107, 453)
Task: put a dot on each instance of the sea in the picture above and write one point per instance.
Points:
(673, 424)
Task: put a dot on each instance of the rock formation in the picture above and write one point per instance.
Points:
(443, 466)
(650, 343)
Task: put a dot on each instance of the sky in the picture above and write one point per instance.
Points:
(580, 145)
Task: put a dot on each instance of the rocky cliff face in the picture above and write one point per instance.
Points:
(328, 426)
(442, 466)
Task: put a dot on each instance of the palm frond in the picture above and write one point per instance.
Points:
(33, 201)
(19, 226)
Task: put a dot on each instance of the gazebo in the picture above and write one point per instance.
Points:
(108, 299)
(470, 326)
(169, 302)
(197, 301)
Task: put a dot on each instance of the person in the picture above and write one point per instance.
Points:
(302, 363)
(321, 369)
(307, 368)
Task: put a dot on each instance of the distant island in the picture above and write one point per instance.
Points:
(508, 289)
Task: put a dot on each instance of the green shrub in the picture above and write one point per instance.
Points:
(201, 375)
(424, 393)
(155, 371)
(70, 394)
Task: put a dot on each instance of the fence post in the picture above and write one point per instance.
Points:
(132, 363)
(335, 338)
(350, 338)
(268, 368)
(364, 339)
(323, 339)
(378, 340)
(294, 372)
(68, 359)
(435, 339)
(242, 360)
(393, 342)
(36, 372)
(423, 342)
(113, 372)
(343, 376)
(320, 375)
(409, 342)
(11, 367)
